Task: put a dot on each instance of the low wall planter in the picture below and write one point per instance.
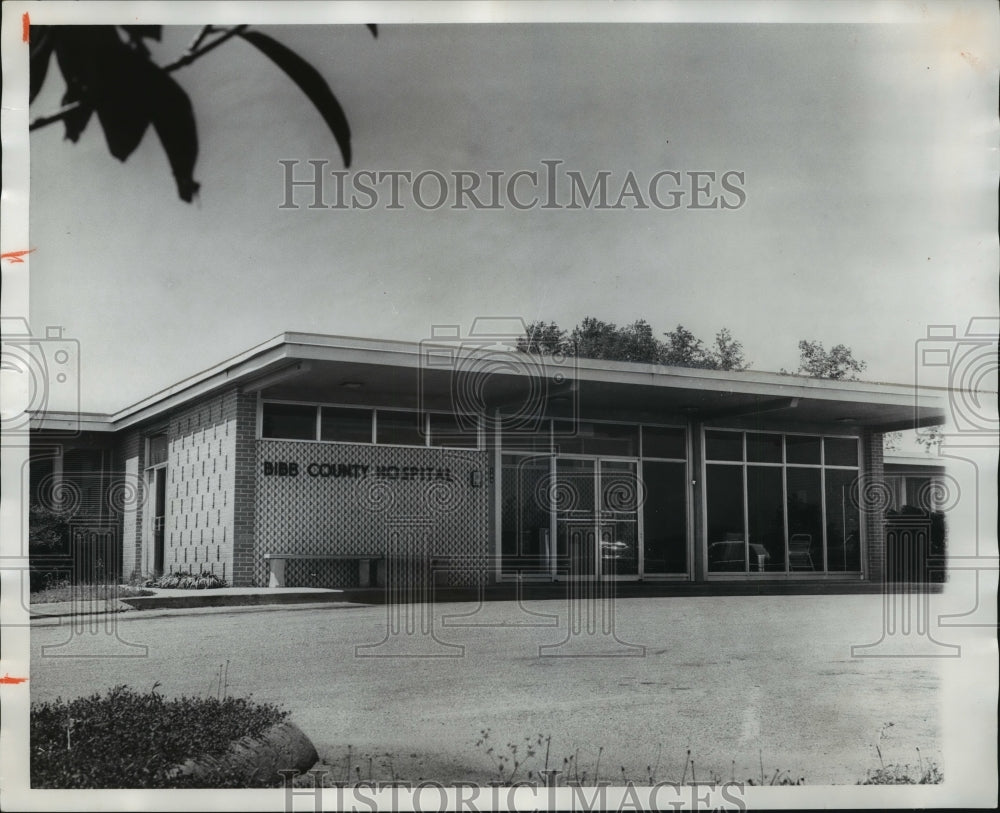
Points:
(253, 762)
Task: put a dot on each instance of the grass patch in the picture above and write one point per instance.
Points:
(64, 591)
(129, 739)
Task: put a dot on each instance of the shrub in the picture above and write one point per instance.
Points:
(893, 774)
(128, 739)
(188, 581)
(62, 590)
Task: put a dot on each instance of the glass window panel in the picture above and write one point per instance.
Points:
(802, 449)
(399, 428)
(568, 437)
(726, 540)
(805, 519)
(617, 439)
(763, 448)
(766, 518)
(41, 481)
(841, 451)
(524, 515)
(83, 469)
(346, 425)
(449, 430)
(158, 449)
(289, 421)
(664, 512)
(525, 442)
(664, 441)
(843, 526)
(723, 445)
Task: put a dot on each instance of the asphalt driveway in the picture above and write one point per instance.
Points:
(737, 680)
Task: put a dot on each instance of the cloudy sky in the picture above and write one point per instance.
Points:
(867, 151)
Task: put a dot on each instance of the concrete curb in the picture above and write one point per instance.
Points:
(57, 619)
(253, 762)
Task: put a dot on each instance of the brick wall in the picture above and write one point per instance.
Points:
(244, 490)
(872, 508)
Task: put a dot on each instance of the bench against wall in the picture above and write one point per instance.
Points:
(366, 563)
(276, 565)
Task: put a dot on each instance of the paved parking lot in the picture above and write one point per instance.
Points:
(738, 679)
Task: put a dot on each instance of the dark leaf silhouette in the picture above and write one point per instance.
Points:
(41, 53)
(109, 70)
(129, 92)
(312, 84)
(173, 119)
(123, 101)
(78, 50)
(373, 28)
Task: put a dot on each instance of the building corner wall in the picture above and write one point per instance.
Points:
(872, 510)
(244, 490)
(128, 459)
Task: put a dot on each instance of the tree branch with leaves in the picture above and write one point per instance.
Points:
(108, 70)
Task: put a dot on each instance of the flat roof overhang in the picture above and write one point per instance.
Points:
(470, 376)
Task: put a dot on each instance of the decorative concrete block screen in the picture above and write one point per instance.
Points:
(335, 498)
(200, 489)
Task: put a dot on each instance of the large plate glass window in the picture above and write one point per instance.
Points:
(664, 514)
(452, 432)
(781, 503)
(346, 425)
(289, 421)
(400, 428)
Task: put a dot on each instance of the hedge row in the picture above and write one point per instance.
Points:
(127, 739)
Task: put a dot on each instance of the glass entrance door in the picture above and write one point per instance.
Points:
(618, 519)
(596, 512)
(159, 518)
(576, 518)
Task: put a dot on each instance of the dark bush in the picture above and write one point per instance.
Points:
(128, 739)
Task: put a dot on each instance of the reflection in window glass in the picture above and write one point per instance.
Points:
(158, 449)
(765, 518)
(399, 428)
(805, 519)
(664, 513)
(346, 425)
(289, 421)
(802, 449)
(843, 527)
(524, 515)
(664, 441)
(726, 540)
(841, 451)
(723, 445)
